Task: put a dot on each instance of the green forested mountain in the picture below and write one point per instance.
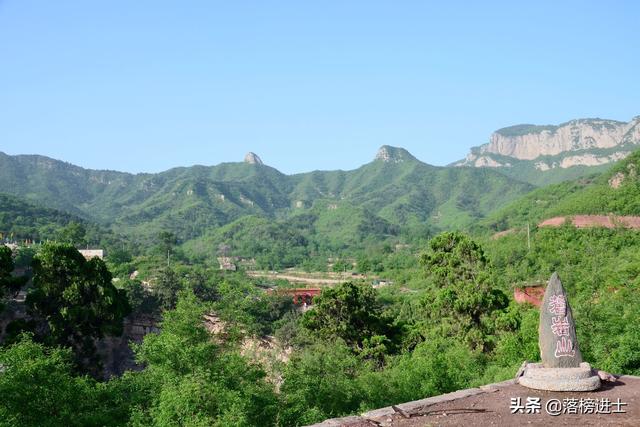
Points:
(57, 184)
(21, 220)
(393, 190)
(616, 191)
(283, 220)
(402, 190)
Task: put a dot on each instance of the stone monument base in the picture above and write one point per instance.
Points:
(560, 379)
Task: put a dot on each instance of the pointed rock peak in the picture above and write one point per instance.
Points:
(389, 154)
(252, 158)
(557, 330)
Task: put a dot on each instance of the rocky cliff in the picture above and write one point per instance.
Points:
(389, 154)
(253, 159)
(583, 142)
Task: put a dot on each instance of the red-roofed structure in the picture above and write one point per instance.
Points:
(530, 294)
(300, 295)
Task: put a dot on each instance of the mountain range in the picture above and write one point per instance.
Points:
(394, 192)
(394, 189)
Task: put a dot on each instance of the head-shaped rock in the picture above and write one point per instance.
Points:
(557, 330)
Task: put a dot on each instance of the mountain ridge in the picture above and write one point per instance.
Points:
(395, 187)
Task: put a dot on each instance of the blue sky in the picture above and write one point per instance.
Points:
(148, 85)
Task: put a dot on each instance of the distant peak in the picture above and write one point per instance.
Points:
(389, 154)
(252, 158)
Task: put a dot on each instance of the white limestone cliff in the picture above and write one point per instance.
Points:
(529, 142)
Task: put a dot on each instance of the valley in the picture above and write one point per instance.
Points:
(321, 214)
(397, 276)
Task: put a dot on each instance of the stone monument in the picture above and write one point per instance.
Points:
(562, 367)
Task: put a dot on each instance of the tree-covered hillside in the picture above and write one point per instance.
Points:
(397, 190)
(445, 319)
(22, 220)
(617, 191)
(57, 184)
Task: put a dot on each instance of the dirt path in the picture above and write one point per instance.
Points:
(297, 279)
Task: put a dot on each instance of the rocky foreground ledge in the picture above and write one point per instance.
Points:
(508, 404)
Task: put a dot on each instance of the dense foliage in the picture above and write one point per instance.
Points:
(615, 192)
(9, 285)
(234, 351)
(345, 208)
(464, 297)
(358, 348)
(76, 300)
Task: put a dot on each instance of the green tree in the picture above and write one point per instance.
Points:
(76, 299)
(195, 380)
(320, 383)
(340, 266)
(140, 300)
(287, 329)
(351, 312)
(24, 256)
(439, 365)
(167, 241)
(204, 284)
(73, 233)
(8, 284)
(166, 288)
(119, 256)
(39, 388)
(267, 309)
(518, 344)
(463, 300)
(364, 264)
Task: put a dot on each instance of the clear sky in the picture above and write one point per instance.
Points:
(147, 85)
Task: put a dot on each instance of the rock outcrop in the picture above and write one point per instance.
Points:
(253, 158)
(389, 154)
(587, 142)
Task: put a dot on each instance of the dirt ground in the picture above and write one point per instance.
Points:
(494, 408)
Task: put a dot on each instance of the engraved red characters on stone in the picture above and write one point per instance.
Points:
(560, 326)
(558, 305)
(564, 348)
